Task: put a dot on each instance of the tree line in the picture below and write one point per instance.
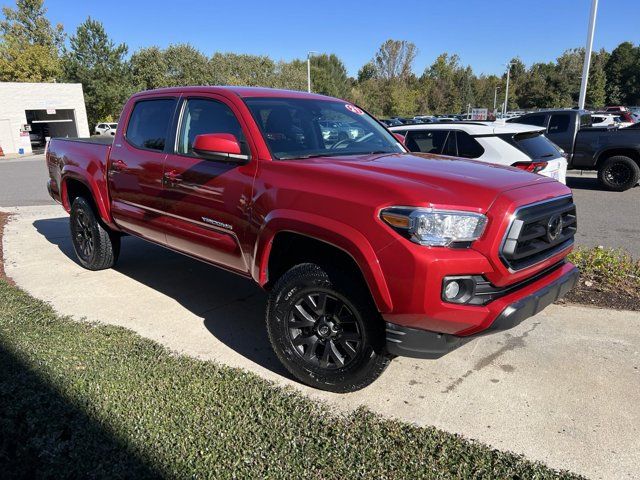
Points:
(34, 50)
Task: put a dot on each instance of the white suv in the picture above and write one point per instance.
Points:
(517, 145)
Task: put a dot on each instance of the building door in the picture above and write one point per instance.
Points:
(48, 124)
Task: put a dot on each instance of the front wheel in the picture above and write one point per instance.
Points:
(619, 173)
(96, 246)
(325, 329)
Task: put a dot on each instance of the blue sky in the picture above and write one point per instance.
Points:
(484, 33)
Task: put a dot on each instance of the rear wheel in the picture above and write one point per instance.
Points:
(325, 329)
(96, 247)
(619, 173)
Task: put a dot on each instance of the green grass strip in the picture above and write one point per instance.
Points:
(87, 401)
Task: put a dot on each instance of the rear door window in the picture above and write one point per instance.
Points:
(536, 146)
(148, 126)
(468, 147)
(426, 141)
(559, 123)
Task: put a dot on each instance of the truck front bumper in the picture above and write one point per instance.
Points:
(413, 342)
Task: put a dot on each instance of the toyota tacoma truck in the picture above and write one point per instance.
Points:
(367, 251)
(613, 152)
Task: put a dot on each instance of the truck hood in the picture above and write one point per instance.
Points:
(424, 179)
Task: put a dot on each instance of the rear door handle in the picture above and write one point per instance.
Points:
(172, 177)
(118, 166)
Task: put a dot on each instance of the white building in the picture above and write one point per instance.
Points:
(32, 112)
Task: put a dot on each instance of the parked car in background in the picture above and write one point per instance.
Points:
(367, 251)
(425, 118)
(447, 119)
(390, 122)
(521, 146)
(607, 120)
(106, 129)
(614, 153)
(616, 108)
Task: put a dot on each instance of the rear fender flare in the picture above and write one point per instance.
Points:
(100, 201)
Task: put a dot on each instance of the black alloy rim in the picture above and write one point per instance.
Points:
(324, 331)
(618, 174)
(83, 235)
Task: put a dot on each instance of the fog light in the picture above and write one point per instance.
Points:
(458, 289)
(452, 290)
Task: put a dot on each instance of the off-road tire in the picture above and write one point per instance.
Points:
(619, 173)
(95, 245)
(369, 358)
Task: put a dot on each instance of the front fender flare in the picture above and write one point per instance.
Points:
(327, 230)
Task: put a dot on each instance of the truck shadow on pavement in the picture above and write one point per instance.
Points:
(584, 183)
(231, 307)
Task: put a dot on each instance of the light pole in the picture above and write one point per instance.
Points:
(506, 91)
(309, 55)
(495, 99)
(587, 54)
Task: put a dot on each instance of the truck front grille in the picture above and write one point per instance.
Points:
(538, 232)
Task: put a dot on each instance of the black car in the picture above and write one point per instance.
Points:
(614, 153)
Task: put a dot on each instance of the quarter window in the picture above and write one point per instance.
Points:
(149, 123)
(203, 116)
(468, 147)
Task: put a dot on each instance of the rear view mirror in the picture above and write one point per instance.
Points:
(219, 146)
(399, 137)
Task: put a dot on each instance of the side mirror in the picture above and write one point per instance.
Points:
(399, 137)
(219, 146)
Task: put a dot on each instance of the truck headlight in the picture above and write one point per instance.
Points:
(436, 228)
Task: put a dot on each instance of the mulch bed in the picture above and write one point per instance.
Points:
(596, 296)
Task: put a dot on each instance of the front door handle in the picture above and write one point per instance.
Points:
(172, 177)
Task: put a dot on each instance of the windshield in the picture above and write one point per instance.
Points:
(297, 128)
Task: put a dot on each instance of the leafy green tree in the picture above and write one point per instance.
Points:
(29, 44)
(394, 59)
(329, 76)
(597, 85)
(622, 71)
(96, 62)
(148, 68)
(249, 70)
(186, 65)
(443, 77)
(291, 75)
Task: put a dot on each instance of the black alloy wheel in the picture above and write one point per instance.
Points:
(619, 173)
(84, 236)
(96, 246)
(324, 330)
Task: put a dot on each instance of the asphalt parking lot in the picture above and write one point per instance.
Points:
(611, 219)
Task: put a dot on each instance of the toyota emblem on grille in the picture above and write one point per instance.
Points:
(554, 227)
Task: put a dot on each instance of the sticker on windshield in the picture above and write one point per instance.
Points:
(354, 109)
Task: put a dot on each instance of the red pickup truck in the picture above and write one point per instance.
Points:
(367, 251)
